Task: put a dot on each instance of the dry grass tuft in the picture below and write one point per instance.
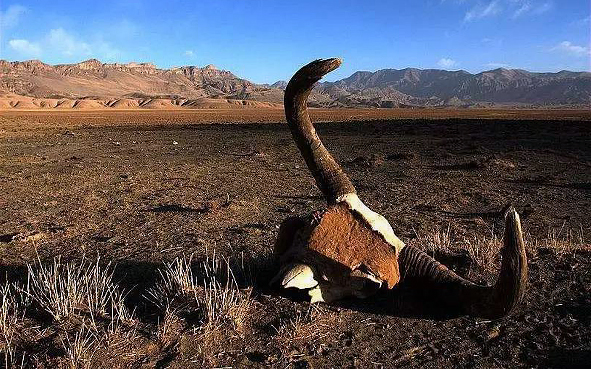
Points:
(562, 241)
(212, 287)
(307, 326)
(437, 241)
(221, 298)
(306, 331)
(81, 348)
(12, 311)
(176, 282)
(483, 251)
(69, 289)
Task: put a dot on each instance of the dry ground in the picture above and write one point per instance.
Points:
(143, 188)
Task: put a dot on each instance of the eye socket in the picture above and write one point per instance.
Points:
(287, 232)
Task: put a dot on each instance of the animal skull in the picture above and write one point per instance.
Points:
(349, 250)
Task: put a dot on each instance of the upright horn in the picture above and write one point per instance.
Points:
(330, 177)
(490, 302)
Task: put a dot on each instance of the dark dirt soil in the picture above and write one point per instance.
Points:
(140, 195)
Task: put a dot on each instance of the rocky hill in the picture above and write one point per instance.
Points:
(93, 78)
(33, 84)
(410, 86)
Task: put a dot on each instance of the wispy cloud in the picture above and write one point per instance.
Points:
(11, 17)
(446, 63)
(189, 53)
(510, 8)
(567, 47)
(64, 44)
(483, 10)
(529, 7)
(25, 48)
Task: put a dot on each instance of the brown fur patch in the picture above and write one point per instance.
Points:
(345, 238)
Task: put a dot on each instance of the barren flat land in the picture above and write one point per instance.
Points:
(139, 188)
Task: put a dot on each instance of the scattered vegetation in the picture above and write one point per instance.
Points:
(562, 241)
(68, 289)
(479, 255)
(74, 314)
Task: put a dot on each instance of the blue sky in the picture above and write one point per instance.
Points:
(265, 41)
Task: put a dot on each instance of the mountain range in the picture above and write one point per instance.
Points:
(93, 84)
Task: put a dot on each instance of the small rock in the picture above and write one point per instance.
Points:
(493, 333)
(175, 143)
(34, 237)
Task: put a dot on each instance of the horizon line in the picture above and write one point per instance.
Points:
(280, 80)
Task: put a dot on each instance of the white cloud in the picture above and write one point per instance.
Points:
(104, 51)
(446, 63)
(25, 48)
(189, 53)
(569, 48)
(60, 45)
(542, 8)
(491, 41)
(64, 43)
(11, 16)
(483, 10)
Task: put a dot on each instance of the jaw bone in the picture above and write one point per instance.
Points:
(301, 276)
(298, 276)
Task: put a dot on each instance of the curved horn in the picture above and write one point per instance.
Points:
(490, 302)
(329, 175)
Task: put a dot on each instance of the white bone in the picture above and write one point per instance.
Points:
(377, 222)
(315, 295)
(299, 276)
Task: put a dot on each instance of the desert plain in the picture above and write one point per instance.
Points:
(148, 195)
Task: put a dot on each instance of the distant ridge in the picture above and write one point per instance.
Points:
(435, 87)
(92, 84)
